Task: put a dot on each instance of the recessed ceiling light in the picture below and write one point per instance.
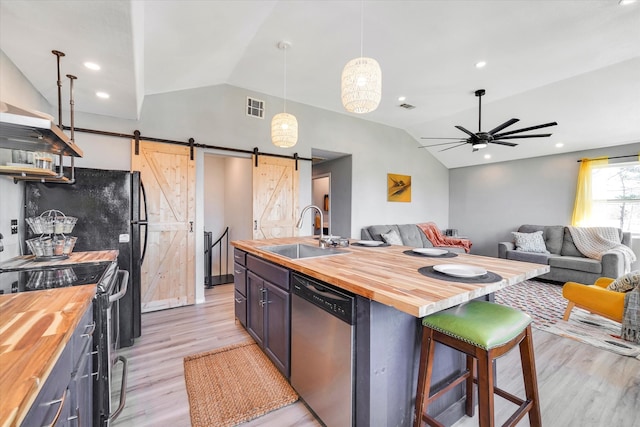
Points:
(103, 95)
(402, 98)
(626, 2)
(559, 144)
(481, 64)
(92, 66)
(487, 156)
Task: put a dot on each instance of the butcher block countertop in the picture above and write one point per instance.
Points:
(27, 261)
(34, 329)
(388, 276)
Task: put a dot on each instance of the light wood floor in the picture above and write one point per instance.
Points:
(580, 385)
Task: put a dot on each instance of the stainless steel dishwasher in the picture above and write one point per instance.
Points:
(322, 336)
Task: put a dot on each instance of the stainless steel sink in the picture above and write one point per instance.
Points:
(298, 250)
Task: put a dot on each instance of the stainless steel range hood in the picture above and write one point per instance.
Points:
(21, 129)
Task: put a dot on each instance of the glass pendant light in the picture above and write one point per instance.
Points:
(284, 126)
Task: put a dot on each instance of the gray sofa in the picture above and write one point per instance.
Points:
(410, 234)
(566, 262)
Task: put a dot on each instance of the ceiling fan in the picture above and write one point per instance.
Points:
(494, 136)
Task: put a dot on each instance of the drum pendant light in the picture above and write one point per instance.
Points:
(284, 126)
(361, 82)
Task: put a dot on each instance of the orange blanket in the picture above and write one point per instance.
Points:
(436, 238)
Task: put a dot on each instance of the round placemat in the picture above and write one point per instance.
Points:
(369, 246)
(490, 277)
(447, 255)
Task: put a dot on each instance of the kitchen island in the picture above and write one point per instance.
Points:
(391, 297)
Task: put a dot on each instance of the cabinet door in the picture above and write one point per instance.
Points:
(277, 339)
(53, 403)
(255, 307)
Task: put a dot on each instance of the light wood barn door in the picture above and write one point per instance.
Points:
(275, 198)
(168, 271)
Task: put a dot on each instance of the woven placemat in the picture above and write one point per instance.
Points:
(490, 277)
(447, 255)
(234, 384)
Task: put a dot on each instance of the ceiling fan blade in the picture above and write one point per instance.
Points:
(502, 126)
(509, 144)
(468, 132)
(538, 135)
(427, 137)
(525, 129)
(459, 145)
(444, 143)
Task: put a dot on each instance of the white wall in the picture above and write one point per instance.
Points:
(488, 202)
(15, 89)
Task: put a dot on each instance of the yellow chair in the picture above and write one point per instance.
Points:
(595, 298)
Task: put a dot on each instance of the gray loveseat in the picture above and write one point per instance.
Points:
(566, 261)
(410, 234)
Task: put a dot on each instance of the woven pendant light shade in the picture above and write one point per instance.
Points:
(361, 85)
(284, 130)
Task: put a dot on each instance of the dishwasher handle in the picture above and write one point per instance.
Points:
(321, 290)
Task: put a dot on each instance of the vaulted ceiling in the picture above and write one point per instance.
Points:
(574, 62)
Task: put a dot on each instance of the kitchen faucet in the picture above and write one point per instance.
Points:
(299, 224)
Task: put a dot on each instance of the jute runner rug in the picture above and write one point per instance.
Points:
(545, 304)
(234, 384)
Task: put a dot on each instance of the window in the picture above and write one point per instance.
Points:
(615, 196)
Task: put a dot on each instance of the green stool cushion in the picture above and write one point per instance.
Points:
(484, 324)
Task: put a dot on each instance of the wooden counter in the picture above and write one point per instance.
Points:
(27, 261)
(34, 329)
(388, 276)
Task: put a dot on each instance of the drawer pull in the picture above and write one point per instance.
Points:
(61, 401)
(92, 329)
(239, 301)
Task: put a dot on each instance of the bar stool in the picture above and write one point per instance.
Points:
(483, 331)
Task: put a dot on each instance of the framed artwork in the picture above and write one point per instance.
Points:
(398, 188)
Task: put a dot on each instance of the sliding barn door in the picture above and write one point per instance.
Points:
(275, 198)
(168, 271)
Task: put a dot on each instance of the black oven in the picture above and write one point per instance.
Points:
(111, 286)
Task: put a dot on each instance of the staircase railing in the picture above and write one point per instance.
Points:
(209, 249)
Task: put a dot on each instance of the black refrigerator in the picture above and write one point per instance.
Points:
(111, 210)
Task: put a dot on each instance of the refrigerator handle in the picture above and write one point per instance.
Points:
(144, 222)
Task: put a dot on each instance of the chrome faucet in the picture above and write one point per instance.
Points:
(299, 224)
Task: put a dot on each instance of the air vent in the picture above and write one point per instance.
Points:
(407, 106)
(255, 107)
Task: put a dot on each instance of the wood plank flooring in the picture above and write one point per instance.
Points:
(580, 385)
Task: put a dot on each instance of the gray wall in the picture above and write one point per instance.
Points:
(340, 203)
(487, 202)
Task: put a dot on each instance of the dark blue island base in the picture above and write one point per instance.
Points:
(387, 353)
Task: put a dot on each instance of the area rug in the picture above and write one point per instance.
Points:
(234, 384)
(545, 304)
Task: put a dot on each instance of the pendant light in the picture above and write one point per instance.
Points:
(284, 126)
(361, 81)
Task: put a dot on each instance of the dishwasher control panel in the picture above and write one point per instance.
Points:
(330, 299)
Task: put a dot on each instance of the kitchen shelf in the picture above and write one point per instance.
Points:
(24, 130)
(31, 174)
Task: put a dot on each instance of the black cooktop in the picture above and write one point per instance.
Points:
(58, 277)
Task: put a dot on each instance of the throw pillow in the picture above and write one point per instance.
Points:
(626, 283)
(392, 238)
(530, 242)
